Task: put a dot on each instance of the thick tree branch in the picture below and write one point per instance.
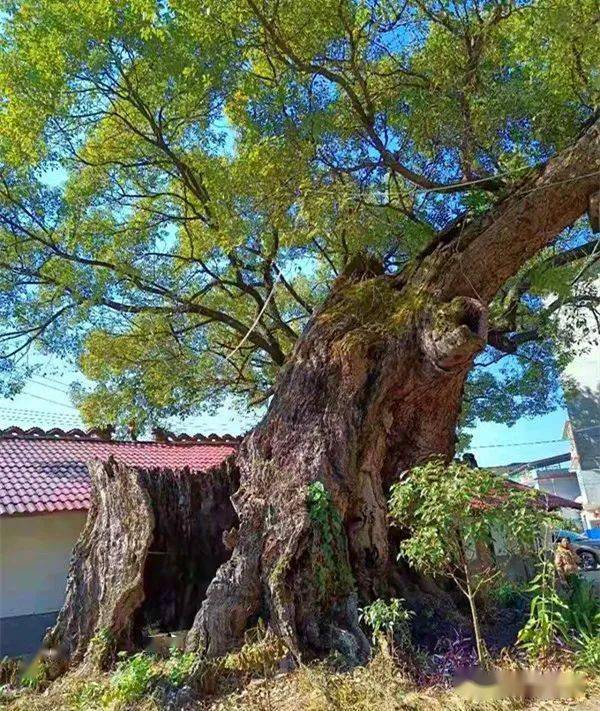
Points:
(476, 258)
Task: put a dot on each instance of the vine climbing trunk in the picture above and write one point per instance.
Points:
(373, 387)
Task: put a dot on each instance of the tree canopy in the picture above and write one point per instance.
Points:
(182, 182)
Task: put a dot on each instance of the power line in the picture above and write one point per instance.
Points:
(53, 380)
(18, 412)
(517, 444)
(52, 402)
(51, 387)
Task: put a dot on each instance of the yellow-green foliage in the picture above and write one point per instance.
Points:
(163, 162)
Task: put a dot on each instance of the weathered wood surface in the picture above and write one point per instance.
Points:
(105, 583)
(138, 517)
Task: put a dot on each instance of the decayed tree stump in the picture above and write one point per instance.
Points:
(104, 587)
(177, 516)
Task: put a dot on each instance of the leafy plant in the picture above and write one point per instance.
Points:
(180, 666)
(450, 512)
(583, 608)
(332, 570)
(132, 679)
(547, 623)
(390, 618)
(102, 648)
(35, 676)
(90, 696)
(587, 657)
(507, 593)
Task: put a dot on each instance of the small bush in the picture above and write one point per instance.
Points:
(35, 676)
(390, 618)
(132, 677)
(507, 593)
(587, 657)
(180, 666)
(547, 624)
(583, 608)
(89, 697)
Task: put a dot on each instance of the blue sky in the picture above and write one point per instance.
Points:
(45, 403)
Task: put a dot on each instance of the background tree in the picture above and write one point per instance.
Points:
(337, 203)
(453, 512)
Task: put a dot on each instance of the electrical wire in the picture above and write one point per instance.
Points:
(50, 387)
(52, 402)
(517, 444)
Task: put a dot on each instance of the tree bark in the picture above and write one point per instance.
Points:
(372, 388)
(152, 543)
(105, 583)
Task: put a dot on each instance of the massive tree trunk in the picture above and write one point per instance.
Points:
(372, 388)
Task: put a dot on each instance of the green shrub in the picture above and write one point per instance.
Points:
(35, 676)
(583, 608)
(131, 680)
(449, 511)
(390, 618)
(90, 696)
(587, 657)
(330, 556)
(547, 623)
(507, 593)
(180, 666)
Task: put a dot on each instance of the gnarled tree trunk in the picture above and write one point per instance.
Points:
(373, 387)
(105, 583)
(152, 543)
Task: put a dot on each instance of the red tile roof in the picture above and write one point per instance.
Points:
(549, 501)
(46, 471)
(543, 499)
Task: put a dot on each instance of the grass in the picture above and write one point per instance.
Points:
(237, 685)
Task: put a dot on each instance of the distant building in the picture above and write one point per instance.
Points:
(553, 476)
(583, 431)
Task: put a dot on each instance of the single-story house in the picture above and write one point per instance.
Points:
(44, 499)
(552, 475)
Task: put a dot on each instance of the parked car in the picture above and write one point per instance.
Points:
(588, 549)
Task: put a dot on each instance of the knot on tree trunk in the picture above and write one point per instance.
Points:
(458, 330)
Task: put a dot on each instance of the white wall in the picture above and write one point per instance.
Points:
(567, 487)
(34, 560)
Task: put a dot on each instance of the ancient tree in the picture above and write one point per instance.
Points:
(373, 387)
(345, 210)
